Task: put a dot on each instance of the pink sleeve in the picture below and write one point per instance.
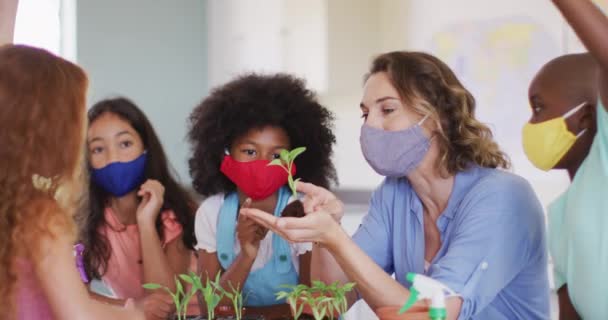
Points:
(172, 228)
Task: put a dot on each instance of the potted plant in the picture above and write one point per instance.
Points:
(212, 293)
(286, 160)
(320, 300)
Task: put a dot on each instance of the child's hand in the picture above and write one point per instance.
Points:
(249, 233)
(152, 193)
(135, 312)
(156, 305)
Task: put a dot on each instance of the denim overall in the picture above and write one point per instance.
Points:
(262, 284)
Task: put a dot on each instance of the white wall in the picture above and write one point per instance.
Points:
(355, 36)
(38, 24)
(153, 52)
(267, 37)
(243, 36)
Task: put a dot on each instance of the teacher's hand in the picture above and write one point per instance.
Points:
(316, 198)
(318, 226)
(321, 223)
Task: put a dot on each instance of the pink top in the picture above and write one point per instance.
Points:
(125, 269)
(31, 300)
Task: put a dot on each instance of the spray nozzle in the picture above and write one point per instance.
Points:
(410, 302)
(427, 288)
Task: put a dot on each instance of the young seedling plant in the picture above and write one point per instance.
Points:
(292, 296)
(180, 299)
(286, 161)
(323, 300)
(211, 294)
(235, 295)
(339, 302)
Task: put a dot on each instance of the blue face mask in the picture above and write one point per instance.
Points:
(120, 178)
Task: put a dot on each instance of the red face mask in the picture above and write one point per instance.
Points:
(256, 178)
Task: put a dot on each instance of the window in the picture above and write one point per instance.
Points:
(48, 24)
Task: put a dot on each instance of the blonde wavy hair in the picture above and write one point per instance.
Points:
(42, 116)
(430, 87)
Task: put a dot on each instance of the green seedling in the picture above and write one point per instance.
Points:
(318, 305)
(180, 298)
(235, 295)
(323, 300)
(292, 296)
(286, 161)
(211, 294)
(340, 301)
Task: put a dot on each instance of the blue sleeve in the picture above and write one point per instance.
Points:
(374, 233)
(500, 229)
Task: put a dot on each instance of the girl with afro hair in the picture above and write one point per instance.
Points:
(235, 133)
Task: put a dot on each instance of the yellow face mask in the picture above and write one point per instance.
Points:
(547, 142)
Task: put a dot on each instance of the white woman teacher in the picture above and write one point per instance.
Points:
(447, 209)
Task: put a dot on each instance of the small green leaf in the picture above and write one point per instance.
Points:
(152, 286)
(349, 286)
(180, 288)
(276, 162)
(293, 154)
(285, 155)
(187, 278)
(282, 295)
(326, 299)
(215, 301)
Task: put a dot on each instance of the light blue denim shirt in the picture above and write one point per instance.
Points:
(493, 251)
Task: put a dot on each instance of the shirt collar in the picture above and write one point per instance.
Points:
(462, 181)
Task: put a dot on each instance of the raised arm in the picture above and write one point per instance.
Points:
(8, 13)
(161, 264)
(591, 26)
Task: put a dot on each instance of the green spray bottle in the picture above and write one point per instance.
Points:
(424, 287)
